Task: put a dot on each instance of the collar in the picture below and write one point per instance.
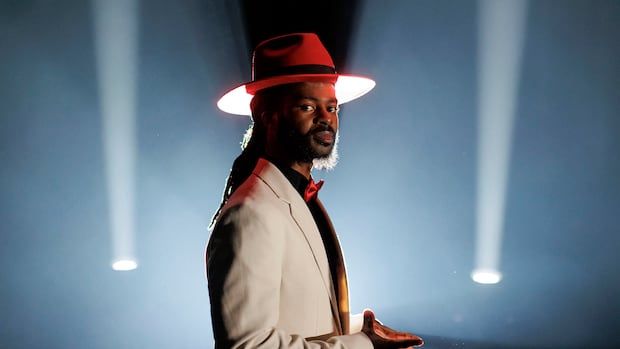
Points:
(297, 180)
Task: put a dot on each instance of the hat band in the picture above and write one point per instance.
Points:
(295, 70)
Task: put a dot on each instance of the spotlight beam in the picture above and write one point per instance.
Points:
(500, 44)
(115, 43)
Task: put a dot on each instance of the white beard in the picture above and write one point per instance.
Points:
(330, 161)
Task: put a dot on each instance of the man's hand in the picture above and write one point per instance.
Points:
(383, 337)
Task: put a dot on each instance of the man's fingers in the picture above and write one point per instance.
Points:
(369, 320)
(390, 338)
(402, 339)
(406, 343)
(369, 316)
(396, 334)
(405, 340)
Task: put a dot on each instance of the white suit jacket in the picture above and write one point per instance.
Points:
(269, 276)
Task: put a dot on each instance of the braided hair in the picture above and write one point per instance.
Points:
(253, 143)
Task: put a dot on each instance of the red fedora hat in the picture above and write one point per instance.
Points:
(291, 58)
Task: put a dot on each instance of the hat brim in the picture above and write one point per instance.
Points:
(348, 87)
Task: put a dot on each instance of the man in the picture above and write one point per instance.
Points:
(275, 269)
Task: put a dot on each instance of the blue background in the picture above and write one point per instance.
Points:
(402, 198)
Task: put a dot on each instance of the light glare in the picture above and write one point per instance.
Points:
(124, 265)
(483, 276)
(236, 102)
(349, 88)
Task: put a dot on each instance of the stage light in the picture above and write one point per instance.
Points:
(487, 276)
(115, 47)
(124, 265)
(500, 43)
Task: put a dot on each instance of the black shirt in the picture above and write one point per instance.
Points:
(298, 181)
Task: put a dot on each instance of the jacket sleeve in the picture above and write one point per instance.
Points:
(244, 263)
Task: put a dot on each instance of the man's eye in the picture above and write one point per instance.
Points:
(333, 109)
(306, 107)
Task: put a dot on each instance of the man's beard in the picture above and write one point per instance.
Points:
(299, 146)
(327, 162)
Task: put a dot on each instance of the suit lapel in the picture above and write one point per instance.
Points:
(300, 213)
(302, 216)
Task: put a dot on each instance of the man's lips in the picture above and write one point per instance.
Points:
(324, 137)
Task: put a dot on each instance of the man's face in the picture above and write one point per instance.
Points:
(308, 123)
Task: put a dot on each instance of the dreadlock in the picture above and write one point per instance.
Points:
(253, 143)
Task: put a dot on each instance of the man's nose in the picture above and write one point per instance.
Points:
(325, 116)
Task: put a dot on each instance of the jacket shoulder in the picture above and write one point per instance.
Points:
(253, 194)
(254, 202)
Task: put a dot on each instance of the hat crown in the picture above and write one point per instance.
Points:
(290, 59)
(299, 53)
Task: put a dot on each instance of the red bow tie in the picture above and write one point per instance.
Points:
(312, 190)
